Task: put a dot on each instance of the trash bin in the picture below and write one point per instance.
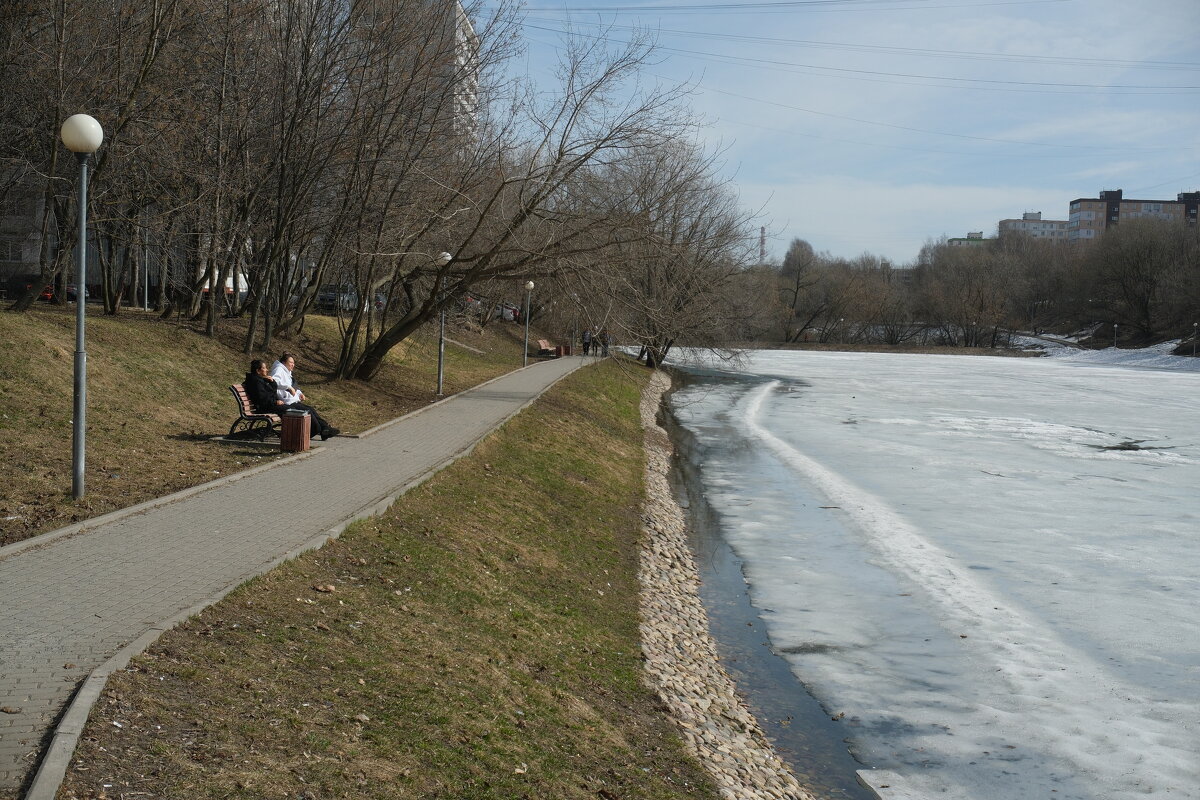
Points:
(566, 350)
(294, 431)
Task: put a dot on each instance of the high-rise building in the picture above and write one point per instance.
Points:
(1091, 216)
(20, 238)
(466, 72)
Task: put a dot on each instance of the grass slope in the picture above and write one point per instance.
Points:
(156, 396)
(479, 640)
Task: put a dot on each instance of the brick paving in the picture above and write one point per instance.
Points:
(69, 603)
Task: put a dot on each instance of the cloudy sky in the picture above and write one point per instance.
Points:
(875, 125)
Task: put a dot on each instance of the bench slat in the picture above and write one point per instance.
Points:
(247, 414)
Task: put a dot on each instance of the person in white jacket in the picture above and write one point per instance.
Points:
(281, 371)
(290, 394)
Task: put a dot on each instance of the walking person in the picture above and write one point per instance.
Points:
(605, 341)
(587, 340)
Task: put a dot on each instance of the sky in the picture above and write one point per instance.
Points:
(878, 125)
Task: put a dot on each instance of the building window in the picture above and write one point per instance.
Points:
(10, 250)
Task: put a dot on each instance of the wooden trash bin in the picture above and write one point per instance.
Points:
(294, 431)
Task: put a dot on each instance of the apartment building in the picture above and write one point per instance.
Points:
(1032, 224)
(972, 239)
(1091, 216)
(466, 72)
(20, 237)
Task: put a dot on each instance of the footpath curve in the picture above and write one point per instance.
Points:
(78, 603)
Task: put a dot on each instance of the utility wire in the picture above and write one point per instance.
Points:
(969, 55)
(1021, 157)
(774, 64)
(924, 130)
(808, 5)
(1176, 181)
(1092, 148)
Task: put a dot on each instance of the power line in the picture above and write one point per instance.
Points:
(1176, 181)
(971, 55)
(876, 74)
(924, 130)
(809, 5)
(777, 104)
(929, 150)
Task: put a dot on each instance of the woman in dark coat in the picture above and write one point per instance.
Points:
(260, 388)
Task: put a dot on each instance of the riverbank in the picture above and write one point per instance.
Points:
(681, 655)
(809, 738)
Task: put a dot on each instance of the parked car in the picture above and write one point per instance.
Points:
(336, 298)
(47, 294)
(344, 298)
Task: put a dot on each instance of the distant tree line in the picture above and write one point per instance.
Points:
(1142, 276)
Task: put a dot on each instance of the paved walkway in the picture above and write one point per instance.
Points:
(72, 600)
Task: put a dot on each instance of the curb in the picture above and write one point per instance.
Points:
(57, 758)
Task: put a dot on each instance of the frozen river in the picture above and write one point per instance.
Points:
(991, 566)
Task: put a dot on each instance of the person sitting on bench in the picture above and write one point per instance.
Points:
(264, 399)
(281, 372)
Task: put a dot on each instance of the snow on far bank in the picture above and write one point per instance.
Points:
(1155, 357)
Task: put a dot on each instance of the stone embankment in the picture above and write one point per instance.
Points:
(681, 656)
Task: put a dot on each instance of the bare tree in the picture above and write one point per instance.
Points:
(682, 248)
(965, 293)
(518, 203)
(1138, 271)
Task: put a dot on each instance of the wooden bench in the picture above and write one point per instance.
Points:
(250, 421)
(545, 348)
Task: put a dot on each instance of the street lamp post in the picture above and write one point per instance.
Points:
(442, 260)
(528, 292)
(1115, 327)
(146, 284)
(83, 136)
(1195, 331)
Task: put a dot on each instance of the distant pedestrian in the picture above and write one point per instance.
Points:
(587, 340)
(605, 341)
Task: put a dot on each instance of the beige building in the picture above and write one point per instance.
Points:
(1032, 224)
(972, 239)
(1091, 216)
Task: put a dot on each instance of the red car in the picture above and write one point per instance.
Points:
(47, 294)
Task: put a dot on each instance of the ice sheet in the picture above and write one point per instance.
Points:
(1000, 592)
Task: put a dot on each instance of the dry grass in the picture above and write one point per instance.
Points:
(156, 397)
(480, 641)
